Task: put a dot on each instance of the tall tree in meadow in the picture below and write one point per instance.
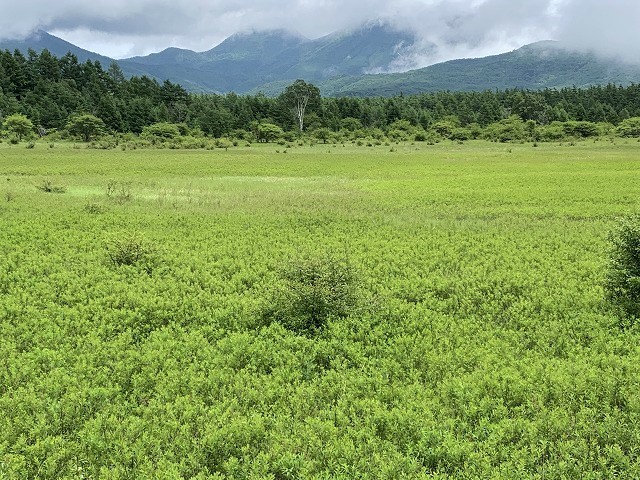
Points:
(299, 96)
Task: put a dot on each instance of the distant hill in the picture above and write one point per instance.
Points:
(42, 40)
(340, 64)
(536, 66)
(247, 61)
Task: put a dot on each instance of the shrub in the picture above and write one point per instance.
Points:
(94, 208)
(444, 128)
(551, 132)
(48, 187)
(629, 127)
(161, 131)
(131, 250)
(314, 290)
(119, 191)
(223, 143)
(510, 129)
(86, 127)
(623, 280)
(580, 129)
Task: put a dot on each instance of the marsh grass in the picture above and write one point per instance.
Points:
(478, 341)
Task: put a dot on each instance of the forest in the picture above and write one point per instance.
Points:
(51, 91)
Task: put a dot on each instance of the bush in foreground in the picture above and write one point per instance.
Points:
(314, 290)
(623, 281)
(131, 250)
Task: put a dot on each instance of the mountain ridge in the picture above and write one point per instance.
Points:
(338, 63)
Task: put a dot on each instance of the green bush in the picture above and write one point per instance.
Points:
(161, 131)
(629, 127)
(314, 290)
(131, 250)
(48, 187)
(511, 129)
(580, 129)
(119, 191)
(623, 280)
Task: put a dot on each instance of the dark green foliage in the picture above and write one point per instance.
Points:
(54, 93)
(315, 289)
(623, 281)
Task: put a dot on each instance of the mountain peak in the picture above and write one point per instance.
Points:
(268, 60)
(39, 40)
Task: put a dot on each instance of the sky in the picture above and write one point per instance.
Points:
(447, 29)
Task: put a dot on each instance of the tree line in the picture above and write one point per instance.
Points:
(52, 91)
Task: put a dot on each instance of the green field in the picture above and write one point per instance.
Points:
(478, 344)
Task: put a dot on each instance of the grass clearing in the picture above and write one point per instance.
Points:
(480, 345)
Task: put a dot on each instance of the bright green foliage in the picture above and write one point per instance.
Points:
(552, 132)
(268, 132)
(85, 127)
(401, 130)
(624, 277)
(480, 344)
(131, 250)
(162, 130)
(629, 127)
(18, 125)
(323, 134)
(580, 129)
(445, 128)
(508, 130)
(315, 290)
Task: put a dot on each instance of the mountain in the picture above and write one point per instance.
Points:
(340, 64)
(41, 40)
(539, 65)
(246, 61)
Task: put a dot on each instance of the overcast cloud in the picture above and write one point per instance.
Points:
(446, 28)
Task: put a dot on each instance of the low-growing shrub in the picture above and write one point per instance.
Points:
(131, 250)
(623, 279)
(48, 187)
(119, 191)
(94, 208)
(314, 290)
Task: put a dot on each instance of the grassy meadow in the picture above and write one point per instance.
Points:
(138, 337)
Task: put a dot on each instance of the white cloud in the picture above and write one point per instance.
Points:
(605, 27)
